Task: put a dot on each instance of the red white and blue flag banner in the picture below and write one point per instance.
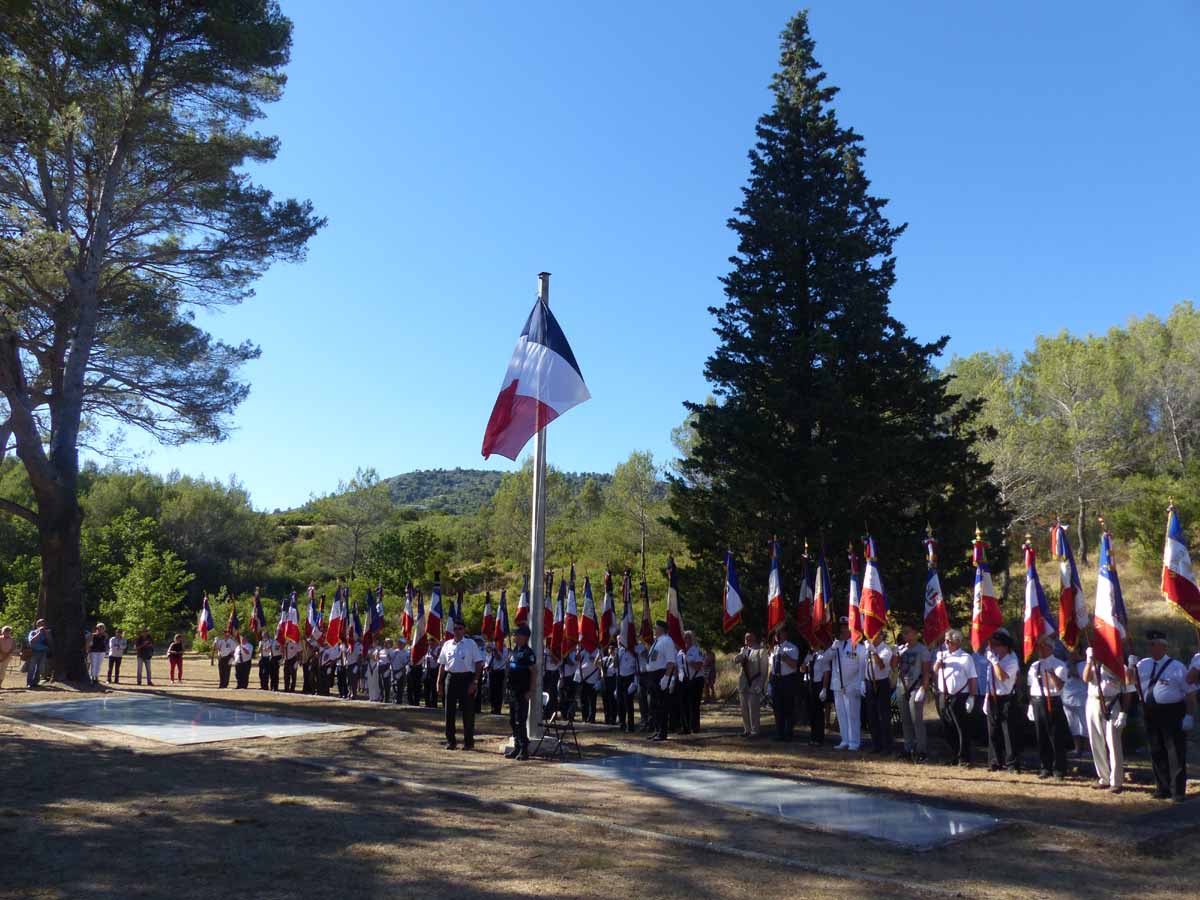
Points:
(204, 624)
(822, 605)
(804, 606)
(489, 618)
(1039, 621)
(589, 625)
(853, 607)
(985, 606)
(776, 615)
(523, 603)
(543, 381)
(375, 616)
(433, 619)
(558, 626)
(608, 612)
(233, 626)
(571, 617)
(646, 632)
(500, 631)
(937, 619)
(313, 617)
(354, 626)
(874, 598)
(1110, 623)
(420, 644)
(731, 602)
(258, 619)
(548, 611)
(628, 633)
(1178, 583)
(408, 617)
(674, 618)
(1072, 604)
(291, 621)
(337, 617)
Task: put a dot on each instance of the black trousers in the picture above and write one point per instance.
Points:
(1053, 734)
(496, 690)
(645, 700)
(783, 701)
(264, 673)
(289, 674)
(309, 671)
(626, 717)
(957, 727)
(566, 692)
(879, 703)
(224, 664)
(458, 697)
(114, 669)
(550, 686)
(415, 674)
(431, 697)
(242, 674)
(1004, 732)
(343, 681)
(695, 699)
(518, 718)
(1168, 746)
(609, 699)
(816, 712)
(587, 702)
(327, 678)
(660, 713)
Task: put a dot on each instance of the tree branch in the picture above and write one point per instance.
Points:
(16, 509)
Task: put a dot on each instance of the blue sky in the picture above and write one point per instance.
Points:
(1043, 156)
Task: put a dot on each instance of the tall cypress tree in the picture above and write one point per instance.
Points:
(830, 417)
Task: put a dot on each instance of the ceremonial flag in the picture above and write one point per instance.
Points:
(1178, 583)
(1072, 605)
(291, 625)
(283, 608)
(628, 635)
(407, 618)
(558, 626)
(258, 619)
(1038, 619)
(337, 617)
(548, 611)
(776, 616)
(523, 603)
(355, 627)
(500, 631)
(375, 617)
(489, 618)
(674, 619)
(853, 607)
(731, 602)
(589, 625)
(571, 617)
(233, 627)
(542, 382)
(937, 619)
(647, 628)
(985, 607)
(822, 605)
(804, 607)
(433, 619)
(310, 614)
(204, 624)
(314, 620)
(608, 613)
(1108, 627)
(420, 636)
(874, 597)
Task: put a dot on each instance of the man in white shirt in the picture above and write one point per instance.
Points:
(1047, 676)
(694, 670)
(815, 667)
(912, 687)
(880, 660)
(1000, 702)
(660, 669)
(1170, 709)
(224, 647)
(847, 667)
(642, 649)
(1108, 701)
(627, 688)
(268, 664)
(291, 660)
(587, 675)
(784, 666)
(460, 665)
(242, 654)
(331, 661)
(957, 681)
(400, 655)
(430, 666)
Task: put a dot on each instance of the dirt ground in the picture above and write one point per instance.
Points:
(92, 813)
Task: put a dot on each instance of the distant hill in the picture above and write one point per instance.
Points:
(459, 491)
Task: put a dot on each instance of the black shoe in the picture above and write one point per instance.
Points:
(450, 746)
(994, 768)
(1178, 798)
(469, 745)
(1044, 773)
(922, 757)
(1161, 795)
(524, 754)
(1059, 776)
(511, 753)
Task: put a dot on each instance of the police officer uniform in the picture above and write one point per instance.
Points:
(520, 663)
(1170, 704)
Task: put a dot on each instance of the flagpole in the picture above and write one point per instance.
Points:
(537, 553)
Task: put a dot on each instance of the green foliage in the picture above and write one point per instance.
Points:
(20, 592)
(150, 595)
(401, 554)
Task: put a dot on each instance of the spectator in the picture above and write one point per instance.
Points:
(175, 658)
(143, 646)
(8, 646)
(97, 647)
(116, 652)
(39, 646)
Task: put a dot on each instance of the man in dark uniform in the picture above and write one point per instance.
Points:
(521, 664)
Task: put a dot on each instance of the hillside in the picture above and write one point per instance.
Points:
(461, 491)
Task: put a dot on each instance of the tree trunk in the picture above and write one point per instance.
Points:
(1083, 544)
(60, 600)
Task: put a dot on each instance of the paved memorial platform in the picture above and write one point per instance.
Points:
(829, 808)
(172, 721)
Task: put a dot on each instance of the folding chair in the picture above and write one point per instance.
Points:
(559, 729)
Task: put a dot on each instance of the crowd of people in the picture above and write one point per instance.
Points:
(1075, 705)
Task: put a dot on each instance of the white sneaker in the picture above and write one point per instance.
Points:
(853, 747)
(842, 747)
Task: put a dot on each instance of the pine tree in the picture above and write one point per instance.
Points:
(829, 417)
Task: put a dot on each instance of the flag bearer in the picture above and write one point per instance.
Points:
(956, 679)
(291, 660)
(1047, 676)
(627, 688)
(1170, 710)
(784, 665)
(224, 647)
(879, 693)
(498, 664)
(660, 669)
(815, 667)
(847, 668)
(1000, 698)
(1108, 701)
(912, 686)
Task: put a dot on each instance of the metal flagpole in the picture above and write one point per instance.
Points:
(537, 554)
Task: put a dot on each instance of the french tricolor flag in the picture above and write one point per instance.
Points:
(489, 618)
(205, 623)
(628, 635)
(407, 617)
(523, 603)
(874, 597)
(804, 607)
(674, 618)
(1178, 582)
(853, 606)
(433, 621)
(1109, 624)
(543, 381)
(1072, 605)
(775, 612)
(500, 631)
(822, 604)
(1039, 621)
(571, 617)
(589, 624)
(548, 611)
(420, 644)
(557, 626)
(337, 618)
(732, 601)
(937, 619)
(608, 612)
(986, 615)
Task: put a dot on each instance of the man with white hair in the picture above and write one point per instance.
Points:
(1047, 676)
(847, 668)
(956, 679)
(1170, 709)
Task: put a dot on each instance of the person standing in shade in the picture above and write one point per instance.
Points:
(912, 686)
(694, 661)
(608, 684)
(1170, 709)
(116, 652)
(519, 681)
(401, 657)
(1004, 724)
(243, 653)
(291, 661)
(38, 642)
(784, 665)
(1047, 676)
(224, 646)
(627, 689)
(175, 659)
(878, 679)
(660, 667)
(567, 668)
(497, 664)
(813, 670)
(847, 671)
(460, 665)
(642, 650)
(1108, 703)
(753, 664)
(143, 647)
(588, 678)
(957, 682)
(430, 666)
(8, 648)
(1074, 699)
(268, 653)
(550, 680)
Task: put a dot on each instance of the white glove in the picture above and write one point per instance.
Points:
(824, 695)
(1029, 713)
(1187, 723)
(1132, 661)
(1088, 653)
(663, 682)
(971, 704)
(919, 696)
(632, 689)
(1119, 720)
(862, 689)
